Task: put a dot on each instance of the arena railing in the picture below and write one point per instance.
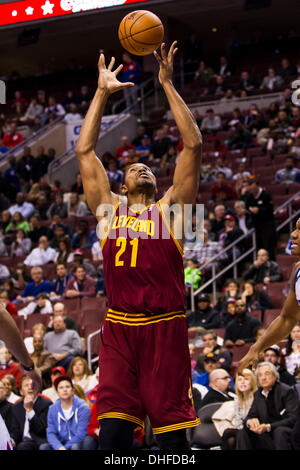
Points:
(26, 142)
(291, 215)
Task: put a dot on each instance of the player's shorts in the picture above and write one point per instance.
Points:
(145, 369)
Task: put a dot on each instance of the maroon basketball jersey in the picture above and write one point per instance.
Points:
(142, 263)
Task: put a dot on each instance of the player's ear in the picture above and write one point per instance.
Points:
(124, 190)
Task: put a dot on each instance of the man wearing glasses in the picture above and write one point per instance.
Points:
(219, 383)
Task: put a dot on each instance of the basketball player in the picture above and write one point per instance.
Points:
(10, 334)
(144, 358)
(289, 315)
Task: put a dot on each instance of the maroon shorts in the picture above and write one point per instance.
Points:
(144, 369)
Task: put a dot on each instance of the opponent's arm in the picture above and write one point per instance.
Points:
(94, 178)
(187, 172)
(278, 329)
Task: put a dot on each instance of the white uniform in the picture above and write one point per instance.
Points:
(5, 440)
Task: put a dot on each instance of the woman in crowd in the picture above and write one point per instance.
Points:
(10, 385)
(20, 279)
(65, 252)
(8, 287)
(292, 352)
(18, 222)
(5, 219)
(81, 374)
(21, 246)
(255, 299)
(229, 418)
(76, 207)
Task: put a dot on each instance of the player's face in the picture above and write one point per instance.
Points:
(295, 235)
(140, 176)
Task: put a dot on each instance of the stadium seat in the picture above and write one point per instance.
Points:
(35, 318)
(269, 316)
(239, 351)
(94, 303)
(286, 261)
(220, 332)
(95, 317)
(276, 189)
(72, 304)
(280, 199)
(256, 314)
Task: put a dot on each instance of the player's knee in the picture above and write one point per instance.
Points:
(173, 440)
(116, 434)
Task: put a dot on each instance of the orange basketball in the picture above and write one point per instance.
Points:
(141, 32)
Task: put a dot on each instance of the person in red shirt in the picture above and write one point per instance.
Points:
(18, 99)
(12, 138)
(10, 307)
(122, 151)
(222, 191)
(8, 366)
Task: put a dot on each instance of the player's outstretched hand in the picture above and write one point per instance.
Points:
(165, 61)
(250, 359)
(108, 78)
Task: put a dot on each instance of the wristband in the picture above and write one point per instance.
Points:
(28, 369)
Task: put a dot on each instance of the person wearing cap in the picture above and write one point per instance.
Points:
(241, 328)
(210, 362)
(210, 342)
(81, 284)
(51, 392)
(204, 316)
(68, 419)
(219, 384)
(83, 237)
(143, 150)
(259, 203)
(272, 354)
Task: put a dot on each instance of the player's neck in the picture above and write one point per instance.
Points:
(141, 198)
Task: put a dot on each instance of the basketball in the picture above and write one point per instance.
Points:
(141, 32)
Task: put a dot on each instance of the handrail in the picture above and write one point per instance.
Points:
(217, 257)
(89, 349)
(29, 139)
(141, 89)
(291, 215)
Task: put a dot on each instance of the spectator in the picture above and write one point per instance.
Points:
(230, 235)
(41, 255)
(273, 413)
(12, 180)
(41, 305)
(204, 252)
(5, 219)
(131, 158)
(81, 374)
(113, 173)
(217, 222)
(122, 151)
(211, 123)
(4, 273)
(12, 138)
(247, 83)
(228, 312)
(26, 209)
(286, 70)
(210, 363)
(42, 205)
(58, 207)
(218, 87)
(210, 345)
(229, 97)
(289, 174)
(18, 223)
(241, 329)
(62, 343)
(239, 137)
(9, 383)
(8, 366)
(8, 287)
(59, 309)
(37, 124)
(81, 285)
(68, 419)
(57, 223)
(83, 237)
(219, 382)
(292, 352)
(10, 307)
(222, 191)
(225, 69)
(271, 81)
(34, 110)
(43, 360)
(131, 72)
(51, 392)
(54, 110)
(34, 288)
(77, 186)
(29, 418)
(255, 299)
(61, 281)
(143, 150)
(65, 252)
(272, 355)
(243, 217)
(38, 329)
(3, 250)
(80, 261)
(259, 204)
(263, 271)
(97, 252)
(220, 166)
(69, 99)
(205, 316)
(36, 229)
(76, 207)
(236, 412)
(160, 145)
(21, 246)
(19, 280)
(84, 98)
(73, 114)
(203, 72)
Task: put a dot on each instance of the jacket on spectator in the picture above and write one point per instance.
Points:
(11, 368)
(67, 341)
(40, 257)
(242, 330)
(208, 318)
(33, 290)
(270, 269)
(88, 286)
(63, 432)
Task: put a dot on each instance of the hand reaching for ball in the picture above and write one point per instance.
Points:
(166, 62)
(108, 78)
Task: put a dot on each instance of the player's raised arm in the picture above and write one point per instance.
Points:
(278, 329)
(95, 181)
(187, 172)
